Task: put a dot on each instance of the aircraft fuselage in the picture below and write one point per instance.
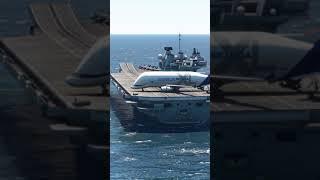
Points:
(164, 78)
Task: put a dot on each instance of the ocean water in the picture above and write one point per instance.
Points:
(140, 155)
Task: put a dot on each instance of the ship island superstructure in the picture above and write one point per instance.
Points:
(178, 62)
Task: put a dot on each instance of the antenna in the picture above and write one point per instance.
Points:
(179, 41)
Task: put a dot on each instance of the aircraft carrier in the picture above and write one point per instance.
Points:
(41, 61)
(158, 108)
(263, 131)
(188, 107)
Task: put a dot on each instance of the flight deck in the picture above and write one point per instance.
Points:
(42, 60)
(187, 106)
(260, 128)
(45, 59)
(262, 96)
(129, 74)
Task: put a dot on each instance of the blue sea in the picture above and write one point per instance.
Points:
(139, 155)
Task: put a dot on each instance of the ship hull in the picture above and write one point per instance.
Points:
(162, 116)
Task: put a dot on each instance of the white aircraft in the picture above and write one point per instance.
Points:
(247, 56)
(170, 80)
(94, 67)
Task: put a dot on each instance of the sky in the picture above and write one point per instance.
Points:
(160, 16)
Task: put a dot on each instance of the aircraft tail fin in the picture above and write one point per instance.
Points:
(205, 82)
(309, 64)
(94, 67)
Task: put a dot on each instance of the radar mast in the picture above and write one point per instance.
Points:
(179, 42)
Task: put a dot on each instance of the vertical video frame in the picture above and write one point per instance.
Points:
(159, 90)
